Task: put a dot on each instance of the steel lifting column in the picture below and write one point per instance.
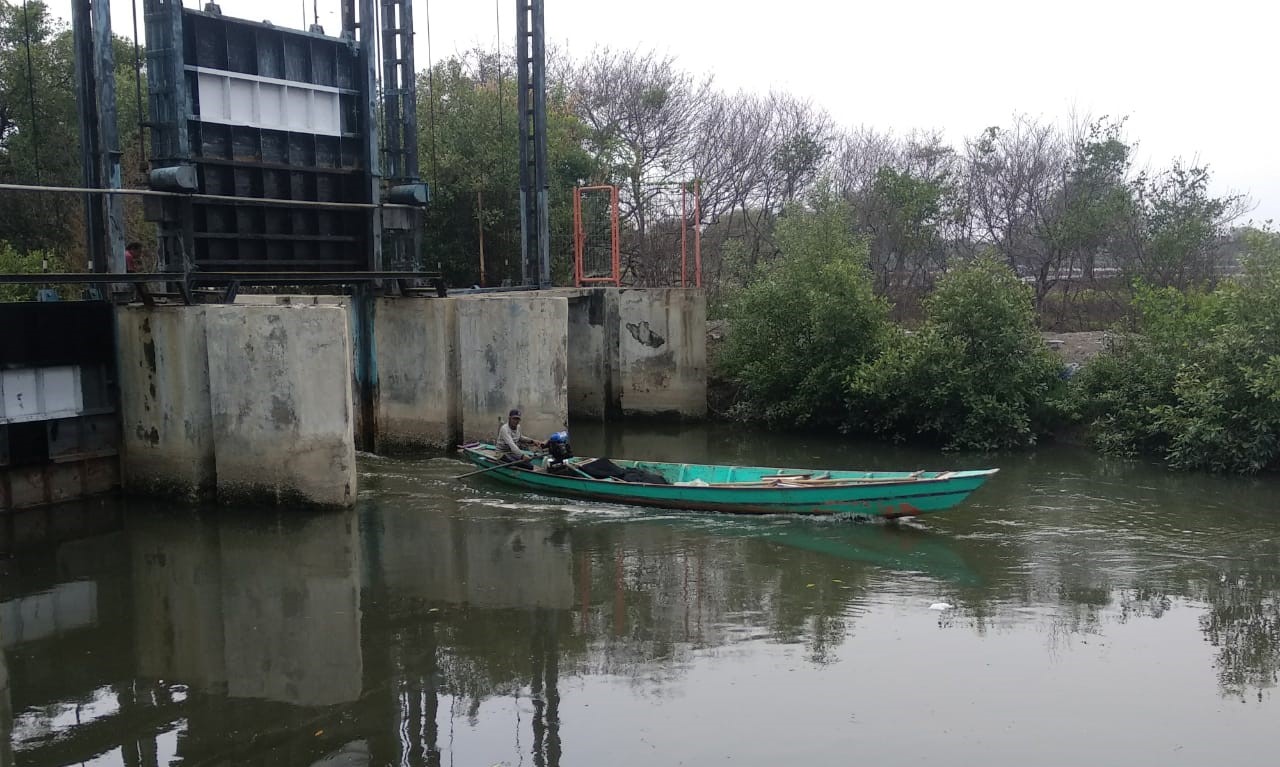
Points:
(99, 145)
(531, 64)
(399, 94)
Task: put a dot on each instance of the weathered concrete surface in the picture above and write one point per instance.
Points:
(280, 388)
(662, 352)
(167, 439)
(593, 357)
(418, 403)
(513, 352)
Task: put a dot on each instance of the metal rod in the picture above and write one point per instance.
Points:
(214, 278)
(697, 233)
(208, 197)
(684, 233)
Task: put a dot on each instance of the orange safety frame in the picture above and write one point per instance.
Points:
(696, 195)
(580, 237)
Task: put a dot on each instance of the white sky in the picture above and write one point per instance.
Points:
(1194, 79)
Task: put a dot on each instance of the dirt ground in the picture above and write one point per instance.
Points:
(1077, 347)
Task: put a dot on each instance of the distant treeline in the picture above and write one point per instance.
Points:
(1062, 204)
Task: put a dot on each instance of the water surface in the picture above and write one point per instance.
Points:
(1101, 612)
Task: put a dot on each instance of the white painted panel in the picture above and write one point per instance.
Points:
(212, 101)
(325, 113)
(270, 104)
(60, 391)
(243, 102)
(298, 114)
(21, 397)
(267, 102)
(38, 394)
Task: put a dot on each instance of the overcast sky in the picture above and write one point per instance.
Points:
(1195, 80)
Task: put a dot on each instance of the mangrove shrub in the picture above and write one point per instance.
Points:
(1198, 382)
(805, 321)
(976, 375)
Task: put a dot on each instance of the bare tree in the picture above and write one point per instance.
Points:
(1014, 181)
(642, 111)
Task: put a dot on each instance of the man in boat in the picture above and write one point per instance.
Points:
(511, 442)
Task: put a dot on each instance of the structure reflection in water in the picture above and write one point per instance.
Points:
(441, 623)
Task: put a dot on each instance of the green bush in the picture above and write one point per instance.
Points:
(804, 323)
(976, 375)
(15, 262)
(1198, 383)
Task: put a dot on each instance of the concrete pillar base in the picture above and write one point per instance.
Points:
(279, 384)
(167, 437)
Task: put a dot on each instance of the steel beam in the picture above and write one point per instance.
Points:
(369, 127)
(531, 65)
(100, 146)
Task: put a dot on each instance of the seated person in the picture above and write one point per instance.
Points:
(511, 442)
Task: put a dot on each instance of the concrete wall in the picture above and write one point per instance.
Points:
(167, 440)
(513, 352)
(662, 352)
(418, 402)
(280, 388)
(593, 359)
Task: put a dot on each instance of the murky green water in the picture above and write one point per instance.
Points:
(1103, 613)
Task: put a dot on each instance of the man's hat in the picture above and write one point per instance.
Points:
(515, 413)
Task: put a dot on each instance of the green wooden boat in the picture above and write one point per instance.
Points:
(747, 489)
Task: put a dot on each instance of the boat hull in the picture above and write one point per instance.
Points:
(885, 499)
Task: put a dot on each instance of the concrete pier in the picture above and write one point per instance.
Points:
(593, 358)
(637, 351)
(245, 403)
(513, 352)
(280, 391)
(662, 352)
(167, 439)
(257, 400)
(418, 403)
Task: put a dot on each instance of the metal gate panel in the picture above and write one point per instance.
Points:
(270, 113)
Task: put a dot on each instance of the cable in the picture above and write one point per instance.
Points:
(431, 102)
(137, 85)
(31, 90)
(497, 17)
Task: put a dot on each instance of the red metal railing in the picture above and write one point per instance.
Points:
(588, 266)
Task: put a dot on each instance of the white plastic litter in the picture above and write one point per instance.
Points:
(940, 606)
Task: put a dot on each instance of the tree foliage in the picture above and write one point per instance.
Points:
(1198, 382)
(39, 134)
(976, 374)
(469, 148)
(805, 323)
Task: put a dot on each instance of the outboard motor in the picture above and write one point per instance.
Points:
(558, 447)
